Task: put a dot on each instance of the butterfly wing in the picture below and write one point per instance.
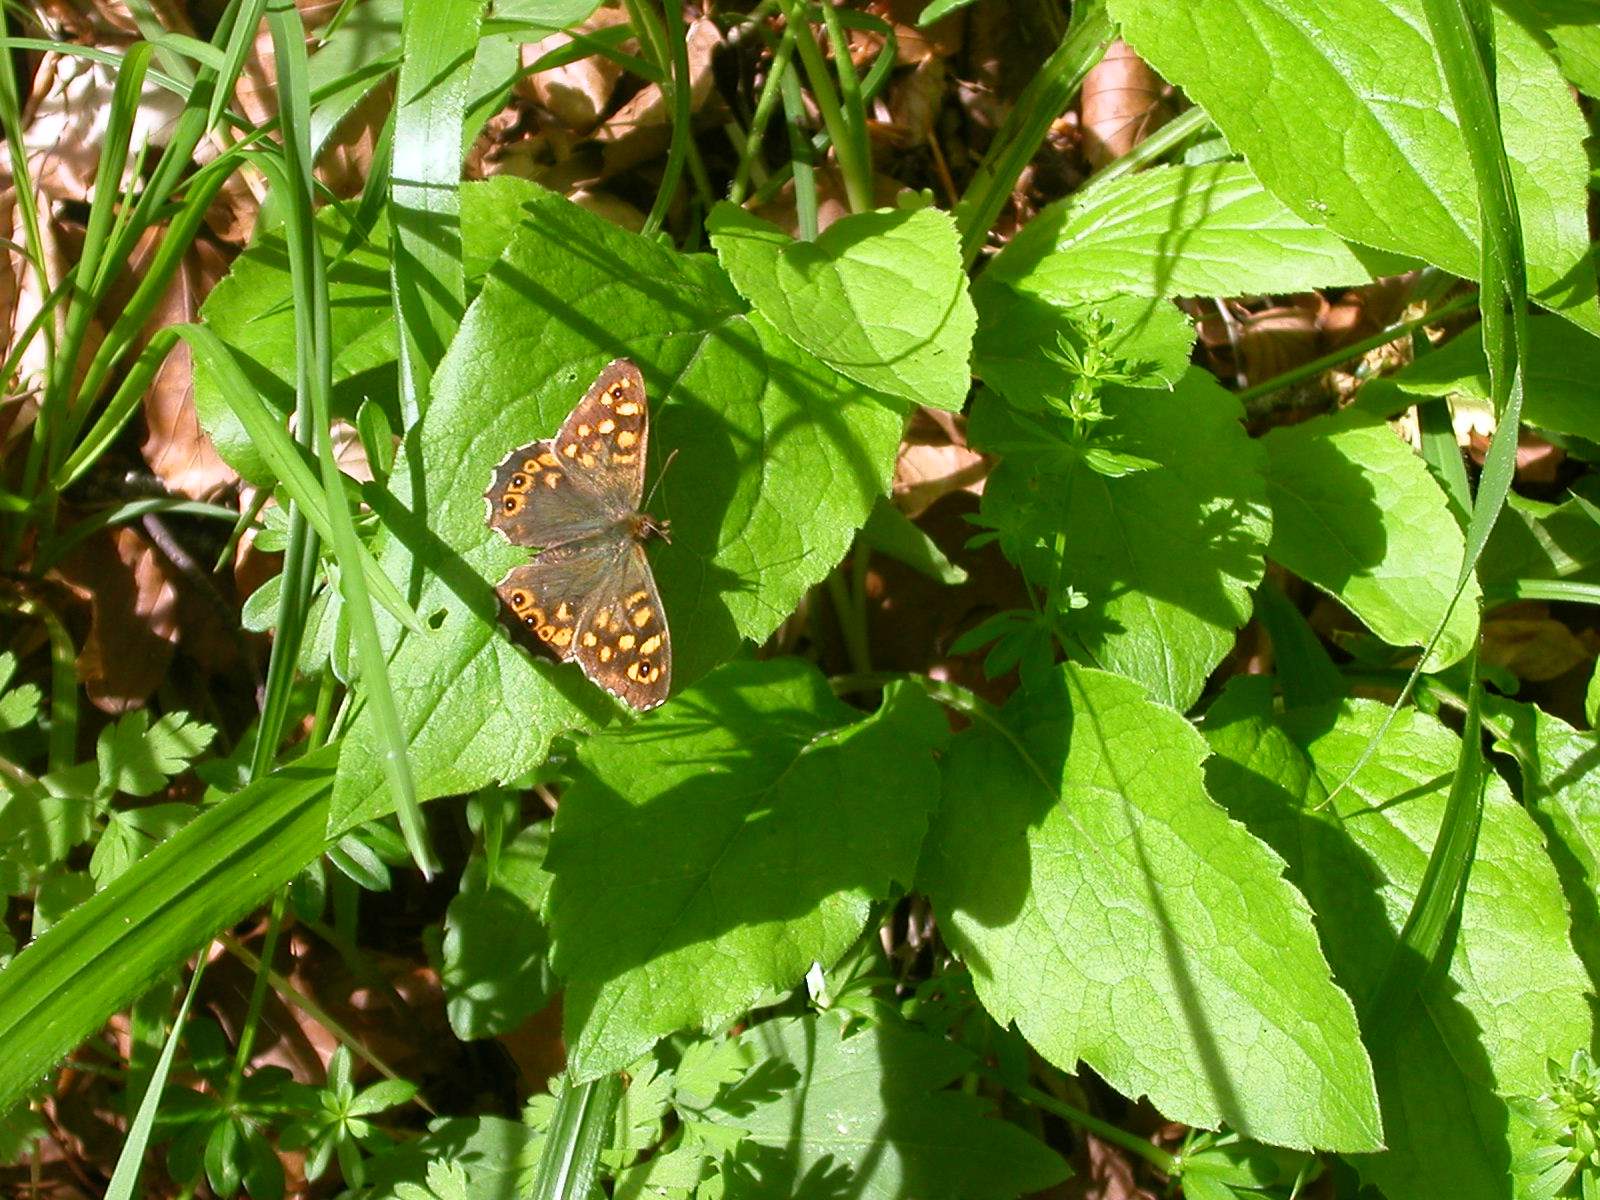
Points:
(603, 440)
(622, 642)
(546, 597)
(586, 478)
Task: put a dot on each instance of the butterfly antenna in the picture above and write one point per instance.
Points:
(664, 468)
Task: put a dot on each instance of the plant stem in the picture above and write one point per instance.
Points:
(765, 104)
(857, 174)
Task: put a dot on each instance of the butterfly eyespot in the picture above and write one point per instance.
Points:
(519, 482)
(513, 503)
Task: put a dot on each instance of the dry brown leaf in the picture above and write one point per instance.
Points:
(133, 617)
(915, 101)
(1123, 102)
(578, 94)
(934, 461)
(175, 447)
(1532, 647)
(641, 129)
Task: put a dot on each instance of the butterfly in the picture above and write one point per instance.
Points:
(589, 594)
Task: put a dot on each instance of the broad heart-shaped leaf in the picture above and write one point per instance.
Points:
(780, 461)
(1391, 170)
(881, 297)
(1166, 557)
(1016, 349)
(1558, 380)
(1211, 230)
(1105, 904)
(1561, 787)
(1355, 512)
(495, 951)
(1514, 993)
(715, 850)
(869, 1116)
(252, 310)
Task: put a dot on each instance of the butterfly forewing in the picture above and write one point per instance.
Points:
(589, 595)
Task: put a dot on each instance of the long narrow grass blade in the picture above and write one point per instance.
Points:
(427, 278)
(1041, 102)
(241, 37)
(579, 1130)
(314, 325)
(58, 990)
(682, 118)
(286, 459)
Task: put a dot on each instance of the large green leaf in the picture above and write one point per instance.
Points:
(1513, 995)
(879, 297)
(1558, 378)
(869, 1116)
(1211, 230)
(1355, 512)
(1561, 786)
(716, 849)
(1165, 557)
(1343, 112)
(780, 461)
(1105, 904)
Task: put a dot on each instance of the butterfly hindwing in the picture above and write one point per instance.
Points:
(546, 597)
(622, 640)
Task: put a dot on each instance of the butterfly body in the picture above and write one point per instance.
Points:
(589, 595)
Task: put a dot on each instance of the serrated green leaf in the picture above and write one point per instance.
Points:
(1558, 376)
(137, 757)
(1166, 557)
(1561, 787)
(1513, 995)
(1393, 170)
(493, 1152)
(130, 835)
(496, 969)
(781, 461)
(1355, 512)
(1172, 231)
(881, 297)
(718, 848)
(870, 1115)
(1111, 909)
(1015, 348)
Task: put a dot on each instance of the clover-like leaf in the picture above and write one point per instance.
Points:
(1513, 997)
(871, 1115)
(779, 462)
(1107, 905)
(717, 849)
(881, 297)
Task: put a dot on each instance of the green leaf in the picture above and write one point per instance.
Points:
(493, 1151)
(1534, 540)
(495, 970)
(889, 531)
(137, 757)
(1561, 786)
(1016, 347)
(717, 849)
(782, 461)
(57, 991)
(1393, 170)
(1513, 995)
(1569, 28)
(1166, 557)
(1355, 512)
(19, 706)
(129, 836)
(871, 1116)
(880, 296)
(1558, 382)
(939, 9)
(1111, 909)
(1211, 230)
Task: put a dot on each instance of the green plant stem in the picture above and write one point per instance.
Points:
(1041, 102)
(800, 152)
(851, 102)
(766, 103)
(258, 998)
(1345, 353)
(676, 59)
(1158, 1158)
(1158, 145)
(852, 621)
(856, 173)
